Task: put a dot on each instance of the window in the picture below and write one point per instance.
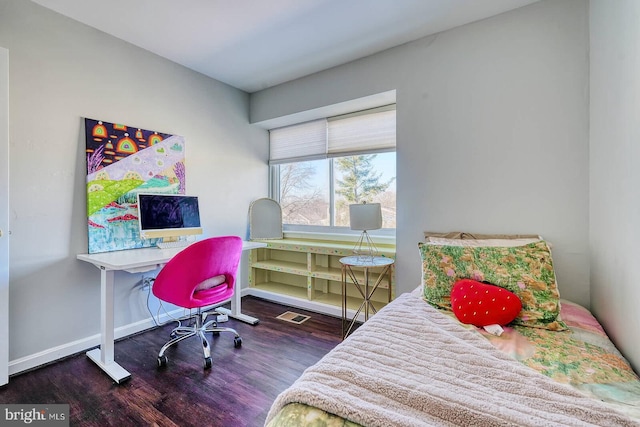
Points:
(320, 167)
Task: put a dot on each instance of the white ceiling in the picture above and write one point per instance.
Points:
(255, 44)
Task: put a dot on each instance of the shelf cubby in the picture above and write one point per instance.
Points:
(309, 271)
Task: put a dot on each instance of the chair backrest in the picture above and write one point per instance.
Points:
(179, 279)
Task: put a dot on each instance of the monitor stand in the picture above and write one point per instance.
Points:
(172, 242)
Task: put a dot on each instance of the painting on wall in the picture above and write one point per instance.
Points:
(121, 162)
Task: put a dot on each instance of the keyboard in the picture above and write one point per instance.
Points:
(173, 245)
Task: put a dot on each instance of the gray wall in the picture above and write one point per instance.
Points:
(614, 171)
(61, 71)
(492, 136)
(492, 131)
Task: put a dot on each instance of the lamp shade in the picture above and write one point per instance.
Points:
(365, 216)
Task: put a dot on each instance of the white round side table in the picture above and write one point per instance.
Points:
(366, 290)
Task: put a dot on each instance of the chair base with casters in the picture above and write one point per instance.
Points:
(199, 329)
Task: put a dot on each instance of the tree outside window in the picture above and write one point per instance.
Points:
(308, 189)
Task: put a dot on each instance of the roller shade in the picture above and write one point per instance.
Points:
(362, 132)
(367, 133)
(304, 141)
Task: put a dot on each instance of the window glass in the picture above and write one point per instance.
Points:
(319, 192)
(367, 178)
(321, 167)
(304, 192)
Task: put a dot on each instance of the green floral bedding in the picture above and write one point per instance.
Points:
(526, 270)
(299, 414)
(582, 357)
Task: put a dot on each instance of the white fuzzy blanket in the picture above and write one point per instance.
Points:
(411, 365)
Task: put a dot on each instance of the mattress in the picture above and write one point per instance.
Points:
(581, 357)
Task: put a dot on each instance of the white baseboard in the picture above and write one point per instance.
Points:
(51, 355)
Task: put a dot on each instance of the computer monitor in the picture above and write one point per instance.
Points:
(168, 216)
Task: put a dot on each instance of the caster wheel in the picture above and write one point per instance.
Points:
(215, 333)
(162, 361)
(207, 363)
(237, 342)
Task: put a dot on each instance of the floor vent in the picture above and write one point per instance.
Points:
(292, 317)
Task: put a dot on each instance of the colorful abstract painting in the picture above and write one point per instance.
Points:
(121, 162)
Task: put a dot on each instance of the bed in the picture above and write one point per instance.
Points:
(415, 363)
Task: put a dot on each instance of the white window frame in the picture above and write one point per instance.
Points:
(321, 229)
(315, 154)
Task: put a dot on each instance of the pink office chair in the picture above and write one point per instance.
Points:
(203, 274)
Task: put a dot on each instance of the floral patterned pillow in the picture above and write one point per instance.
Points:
(527, 271)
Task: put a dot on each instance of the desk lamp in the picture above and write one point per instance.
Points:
(365, 216)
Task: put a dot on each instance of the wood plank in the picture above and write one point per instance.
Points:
(237, 391)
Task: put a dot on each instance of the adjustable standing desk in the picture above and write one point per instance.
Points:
(139, 261)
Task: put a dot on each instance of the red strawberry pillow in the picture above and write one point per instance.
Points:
(481, 304)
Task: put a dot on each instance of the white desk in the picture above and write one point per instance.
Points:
(138, 261)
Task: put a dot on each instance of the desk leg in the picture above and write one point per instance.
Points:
(236, 303)
(104, 356)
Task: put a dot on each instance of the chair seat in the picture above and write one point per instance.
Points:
(218, 293)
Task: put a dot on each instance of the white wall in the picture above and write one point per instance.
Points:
(492, 130)
(60, 72)
(615, 171)
(4, 216)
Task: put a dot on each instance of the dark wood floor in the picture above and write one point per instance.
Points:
(237, 391)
